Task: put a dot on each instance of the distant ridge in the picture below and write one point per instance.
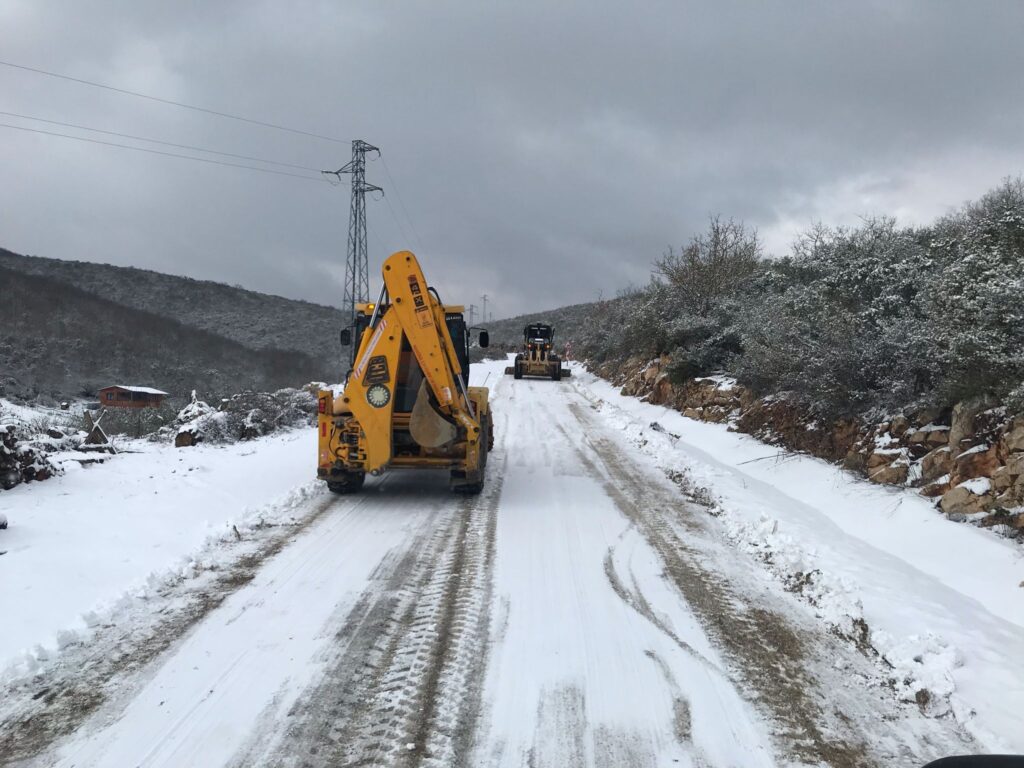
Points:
(568, 321)
(257, 320)
(67, 328)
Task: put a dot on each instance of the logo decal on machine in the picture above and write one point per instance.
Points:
(376, 371)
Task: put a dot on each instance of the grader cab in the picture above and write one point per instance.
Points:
(538, 357)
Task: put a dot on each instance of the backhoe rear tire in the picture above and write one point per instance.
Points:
(350, 482)
(518, 373)
(457, 482)
(459, 485)
(556, 372)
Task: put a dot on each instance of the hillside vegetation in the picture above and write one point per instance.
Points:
(59, 340)
(256, 320)
(854, 321)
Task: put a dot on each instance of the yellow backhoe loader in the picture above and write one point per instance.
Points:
(538, 357)
(405, 403)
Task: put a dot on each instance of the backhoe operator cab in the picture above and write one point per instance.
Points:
(406, 403)
(538, 357)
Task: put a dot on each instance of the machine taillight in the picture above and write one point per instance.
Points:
(323, 429)
(323, 405)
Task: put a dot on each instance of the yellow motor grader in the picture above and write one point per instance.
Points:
(405, 403)
(538, 357)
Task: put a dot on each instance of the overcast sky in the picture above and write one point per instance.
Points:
(545, 152)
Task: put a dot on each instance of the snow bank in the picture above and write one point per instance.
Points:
(79, 543)
(941, 603)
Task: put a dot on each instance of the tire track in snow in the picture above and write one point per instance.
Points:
(570, 681)
(766, 653)
(448, 729)
(405, 686)
(635, 599)
(287, 624)
(775, 658)
(316, 721)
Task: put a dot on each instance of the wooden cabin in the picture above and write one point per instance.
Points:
(121, 396)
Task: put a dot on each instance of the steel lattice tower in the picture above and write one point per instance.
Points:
(357, 266)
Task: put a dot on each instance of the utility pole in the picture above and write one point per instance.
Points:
(472, 314)
(357, 266)
(483, 314)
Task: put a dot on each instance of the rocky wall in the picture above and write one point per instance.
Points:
(969, 458)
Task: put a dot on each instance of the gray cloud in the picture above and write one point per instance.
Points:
(545, 152)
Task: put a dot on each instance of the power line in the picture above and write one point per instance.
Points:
(228, 115)
(383, 248)
(395, 217)
(394, 186)
(158, 141)
(160, 152)
(265, 124)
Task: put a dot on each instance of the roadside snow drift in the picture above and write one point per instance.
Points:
(78, 543)
(943, 603)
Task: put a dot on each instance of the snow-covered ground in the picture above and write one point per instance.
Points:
(579, 674)
(620, 594)
(943, 602)
(79, 543)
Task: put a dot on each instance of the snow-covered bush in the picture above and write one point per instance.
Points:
(854, 320)
(243, 416)
(688, 309)
(1015, 400)
(839, 322)
(23, 460)
(975, 304)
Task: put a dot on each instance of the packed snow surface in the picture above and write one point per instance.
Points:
(631, 588)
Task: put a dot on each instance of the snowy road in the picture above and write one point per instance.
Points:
(581, 611)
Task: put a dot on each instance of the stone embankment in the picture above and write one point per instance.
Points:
(970, 457)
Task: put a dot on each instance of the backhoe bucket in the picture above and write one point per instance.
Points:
(427, 427)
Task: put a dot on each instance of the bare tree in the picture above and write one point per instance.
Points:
(712, 265)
